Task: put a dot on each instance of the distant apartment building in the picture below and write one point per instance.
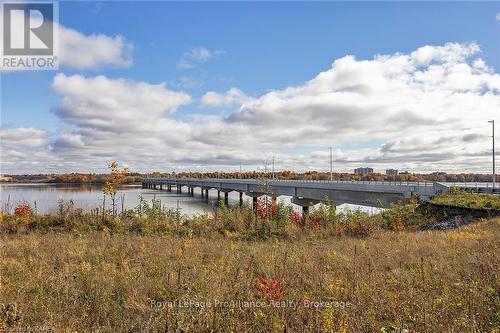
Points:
(391, 172)
(363, 171)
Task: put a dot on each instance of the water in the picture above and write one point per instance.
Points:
(47, 196)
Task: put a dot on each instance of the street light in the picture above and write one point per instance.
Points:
(493, 152)
(331, 163)
(273, 165)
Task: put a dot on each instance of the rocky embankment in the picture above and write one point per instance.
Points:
(450, 217)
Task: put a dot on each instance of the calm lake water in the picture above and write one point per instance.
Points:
(47, 196)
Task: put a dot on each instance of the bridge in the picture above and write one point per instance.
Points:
(306, 193)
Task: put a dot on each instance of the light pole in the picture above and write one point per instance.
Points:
(331, 163)
(493, 152)
(273, 167)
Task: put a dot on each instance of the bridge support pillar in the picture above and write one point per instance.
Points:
(179, 189)
(226, 198)
(161, 187)
(241, 199)
(254, 196)
(304, 202)
(218, 195)
(305, 214)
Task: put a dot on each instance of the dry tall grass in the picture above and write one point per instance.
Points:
(387, 282)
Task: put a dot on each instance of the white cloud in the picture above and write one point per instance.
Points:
(196, 56)
(425, 110)
(387, 97)
(22, 137)
(21, 149)
(117, 119)
(498, 16)
(114, 104)
(233, 96)
(93, 51)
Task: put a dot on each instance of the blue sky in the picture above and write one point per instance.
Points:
(256, 47)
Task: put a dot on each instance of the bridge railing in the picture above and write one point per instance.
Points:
(365, 182)
(317, 181)
(471, 184)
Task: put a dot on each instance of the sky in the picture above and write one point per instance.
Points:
(204, 86)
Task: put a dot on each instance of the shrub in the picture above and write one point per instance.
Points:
(23, 210)
(326, 213)
(356, 223)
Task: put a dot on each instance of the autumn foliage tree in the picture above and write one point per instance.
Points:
(111, 186)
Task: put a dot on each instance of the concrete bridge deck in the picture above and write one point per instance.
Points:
(309, 192)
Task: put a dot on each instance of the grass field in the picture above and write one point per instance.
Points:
(99, 281)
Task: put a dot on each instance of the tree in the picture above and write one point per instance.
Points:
(111, 186)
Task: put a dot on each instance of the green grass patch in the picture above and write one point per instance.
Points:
(461, 198)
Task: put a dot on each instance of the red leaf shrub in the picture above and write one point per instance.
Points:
(23, 210)
(295, 218)
(271, 289)
(314, 223)
(266, 206)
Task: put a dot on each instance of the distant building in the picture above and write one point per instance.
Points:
(391, 172)
(363, 171)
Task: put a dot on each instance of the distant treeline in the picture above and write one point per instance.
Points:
(314, 175)
(86, 178)
(74, 178)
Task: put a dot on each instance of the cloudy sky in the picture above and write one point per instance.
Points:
(209, 86)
